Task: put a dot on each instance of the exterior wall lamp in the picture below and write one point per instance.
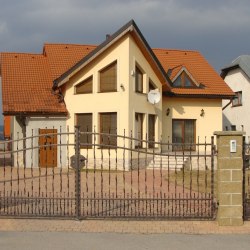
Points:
(202, 113)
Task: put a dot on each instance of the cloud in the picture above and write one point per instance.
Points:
(192, 24)
(3, 28)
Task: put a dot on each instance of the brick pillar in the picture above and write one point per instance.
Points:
(229, 179)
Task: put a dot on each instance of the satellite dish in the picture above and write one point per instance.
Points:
(154, 96)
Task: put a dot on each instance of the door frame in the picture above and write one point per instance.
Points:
(183, 133)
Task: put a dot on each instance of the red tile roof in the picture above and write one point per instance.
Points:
(26, 85)
(27, 79)
(61, 57)
(198, 67)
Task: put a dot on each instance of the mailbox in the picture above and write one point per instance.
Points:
(82, 160)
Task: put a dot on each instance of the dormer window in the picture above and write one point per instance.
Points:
(85, 87)
(108, 78)
(183, 80)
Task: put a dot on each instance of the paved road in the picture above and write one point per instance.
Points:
(113, 241)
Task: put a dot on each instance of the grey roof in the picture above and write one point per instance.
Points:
(242, 62)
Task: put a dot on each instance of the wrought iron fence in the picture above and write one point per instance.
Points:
(69, 177)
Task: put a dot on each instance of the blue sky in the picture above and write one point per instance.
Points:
(219, 29)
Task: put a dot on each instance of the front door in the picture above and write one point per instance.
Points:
(183, 134)
(47, 147)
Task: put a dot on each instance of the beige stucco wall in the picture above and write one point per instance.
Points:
(138, 102)
(125, 102)
(189, 108)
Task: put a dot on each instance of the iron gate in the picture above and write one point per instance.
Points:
(246, 179)
(106, 176)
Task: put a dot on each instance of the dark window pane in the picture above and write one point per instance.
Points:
(151, 130)
(237, 100)
(183, 133)
(138, 129)
(138, 80)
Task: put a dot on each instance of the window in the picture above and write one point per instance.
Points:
(151, 130)
(237, 100)
(183, 134)
(138, 80)
(151, 85)
(108, 126)
(108, 78)
(85, 86)
(183, 81)
(138, 129)
(233, 127)
(85, 123)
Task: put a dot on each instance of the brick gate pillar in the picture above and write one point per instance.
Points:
(230, 178)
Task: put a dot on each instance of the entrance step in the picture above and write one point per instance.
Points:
(168, 162)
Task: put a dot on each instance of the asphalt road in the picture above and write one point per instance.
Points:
(113, 241)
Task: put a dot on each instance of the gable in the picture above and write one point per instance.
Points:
(213, 86)
(129, 28)
(184, 79)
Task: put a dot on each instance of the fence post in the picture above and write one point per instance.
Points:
(77, 174)
(229, 178)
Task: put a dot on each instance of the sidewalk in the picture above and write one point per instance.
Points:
(109, 226)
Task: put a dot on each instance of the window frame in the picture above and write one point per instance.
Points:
(139, 117)
(151, 141)
(183, 76)
(237, 100)
(89, 137)
(114, 63)
(182, 123)
(83, 83)
(139, 88)
(151, 85)
(102, 138)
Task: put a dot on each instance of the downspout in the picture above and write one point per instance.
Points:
(227, 104)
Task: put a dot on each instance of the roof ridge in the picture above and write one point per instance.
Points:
(22, 53)
(72, 44)
(182, 50)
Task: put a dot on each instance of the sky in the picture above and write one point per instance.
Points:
(219, 29)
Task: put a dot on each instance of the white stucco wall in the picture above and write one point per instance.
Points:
(17, 144)
(237, 80)
(25, 147)
(33, 124)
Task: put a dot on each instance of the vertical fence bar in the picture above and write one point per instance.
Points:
(77, 174)
(212, 175)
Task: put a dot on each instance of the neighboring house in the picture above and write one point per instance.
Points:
(237, 76)
(104, 89)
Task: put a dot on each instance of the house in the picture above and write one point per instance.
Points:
(104, 89)
(237, 76)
